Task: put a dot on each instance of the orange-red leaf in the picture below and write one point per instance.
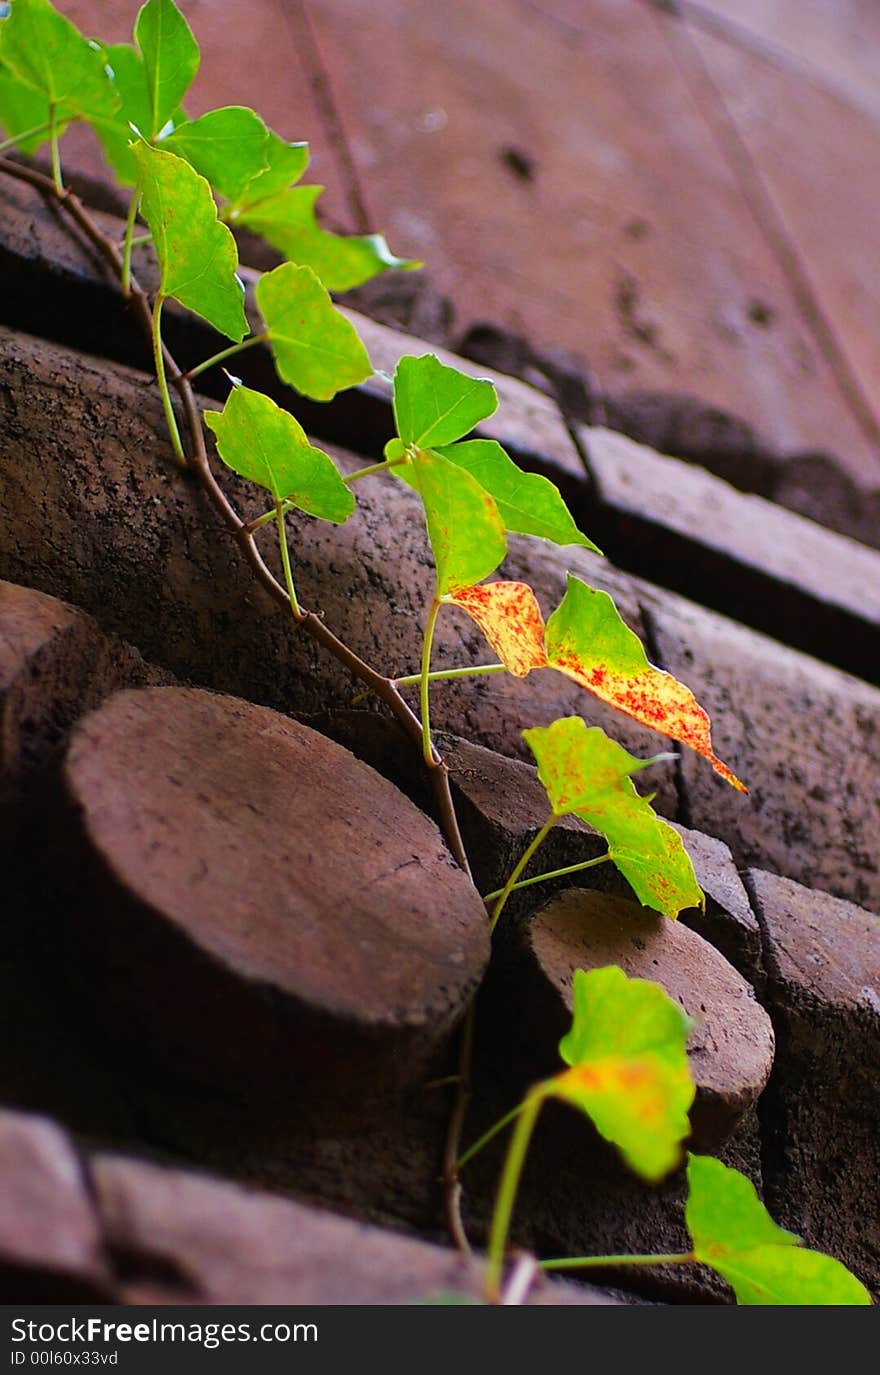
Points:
(588, 642)
(510, 618)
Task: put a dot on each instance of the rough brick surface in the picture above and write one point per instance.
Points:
(629, 235)
(205, 824)
(822, 1108)
(802, 735)
(212, 1242)
(731, 1044)
(55, 664)
(767, 567)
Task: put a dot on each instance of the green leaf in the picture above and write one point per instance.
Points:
(287, 221)
(197, 254)
(171, 59)
(315, 347)
(733, 1233)
(226, 146)
(629, 1068)
(48, 53)
(435, 405)
(115, 134)
(464, 527)
(285, 164)
(529, 504)
(260, 441)
(587, 640)
(22, 108)
(588, 775)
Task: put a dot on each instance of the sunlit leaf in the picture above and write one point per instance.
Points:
(116, 135)
(48, 53)
(588, 775)
(315, 347)
(510, 618)
(287, 221)
(228, 146)
(529, 504)
(435, 404)
(260, 441)
(629, 1069)
(285, 164)
(732, 1232)
(197, 255)
(464, 527)
(22, 109)
(171, 59)
(588, 642)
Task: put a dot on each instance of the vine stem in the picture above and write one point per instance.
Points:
(199, 467)
(518, 869)
(603, 1262)
(25, 134)
(551, 873)
(508, 1186)
(452, 1148)
(221, 358)
(128, 241)
(425, 680)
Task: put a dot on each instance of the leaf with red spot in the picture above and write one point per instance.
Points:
(588, 642)
(588, 775)
(628, 1070)
(510, 618)
(464, 527)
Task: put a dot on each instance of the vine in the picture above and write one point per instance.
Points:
(190, 180)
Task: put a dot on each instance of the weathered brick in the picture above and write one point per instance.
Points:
(50, 1241)
(192, 1238)
(253, 906)
(55, 665)
(731, 1044)
(766, 566)
(802, 735)
(821, 1112)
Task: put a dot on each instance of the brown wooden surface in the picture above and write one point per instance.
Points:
(686, 198)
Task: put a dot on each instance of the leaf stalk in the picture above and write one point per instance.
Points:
(551, 873)
(221, 358)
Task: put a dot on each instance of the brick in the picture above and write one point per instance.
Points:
(731, 1045)
(210, 1241)
(50, 1242)
(832, 45)
(801, 734)
(824, 202)
(737, 553)
(821, 1113)
(55, 665)
(292, 915)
